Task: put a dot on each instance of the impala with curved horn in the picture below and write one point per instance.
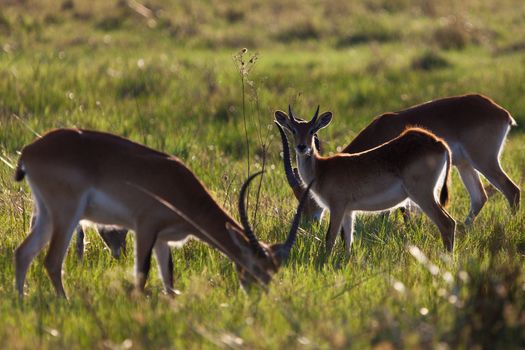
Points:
(407, 167)
(79, 174)
(474, 127)
(312, 210)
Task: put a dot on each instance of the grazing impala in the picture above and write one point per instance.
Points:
(79, 174)
(474, 127)
(407, 167)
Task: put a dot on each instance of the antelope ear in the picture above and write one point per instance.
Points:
(234, 235)
(323, 120)
(283, 119)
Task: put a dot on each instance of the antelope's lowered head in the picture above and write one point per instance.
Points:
(261, 261)
(144, 190)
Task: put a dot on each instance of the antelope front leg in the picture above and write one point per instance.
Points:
(348, 227)
(143, 245)
(336, 217)
(165, 263)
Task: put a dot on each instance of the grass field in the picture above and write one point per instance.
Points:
(164, 74)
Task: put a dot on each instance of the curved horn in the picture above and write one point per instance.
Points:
(292, 235)
(254, 243)
(290, 113)
(314, 119)
(294, 182)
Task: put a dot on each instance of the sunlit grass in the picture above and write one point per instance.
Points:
(175, 87)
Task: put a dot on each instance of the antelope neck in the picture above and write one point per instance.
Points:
(306, 165)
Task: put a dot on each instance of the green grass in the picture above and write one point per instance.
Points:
(169, 81)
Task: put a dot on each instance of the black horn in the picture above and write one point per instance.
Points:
(254, 242)
(293, 181)
(290, 113)
(292, 235)
(314, 119)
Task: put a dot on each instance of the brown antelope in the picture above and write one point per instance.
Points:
(474, 127)
(312, 210)
(407, 167)
(78, 174)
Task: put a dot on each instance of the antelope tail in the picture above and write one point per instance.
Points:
(19, 172)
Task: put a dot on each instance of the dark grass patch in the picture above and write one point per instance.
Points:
(110, 23)
(82, 16)
(141, 82)
(430, 60)
(515, 47)
(304, 30)
(366, 33)
(5, 24)
(389, 5)
(67, 5)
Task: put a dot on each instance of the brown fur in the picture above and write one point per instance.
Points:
(81, 174)
(463, 120)
(407, 166)
(473, 125)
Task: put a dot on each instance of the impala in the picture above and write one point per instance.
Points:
(408, 167)
(474, 127)
(79, 174)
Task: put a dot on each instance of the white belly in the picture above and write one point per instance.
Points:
(104, 209)
(384, 199)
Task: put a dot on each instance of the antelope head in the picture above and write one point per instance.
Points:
(304, 132)
(260, 261)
